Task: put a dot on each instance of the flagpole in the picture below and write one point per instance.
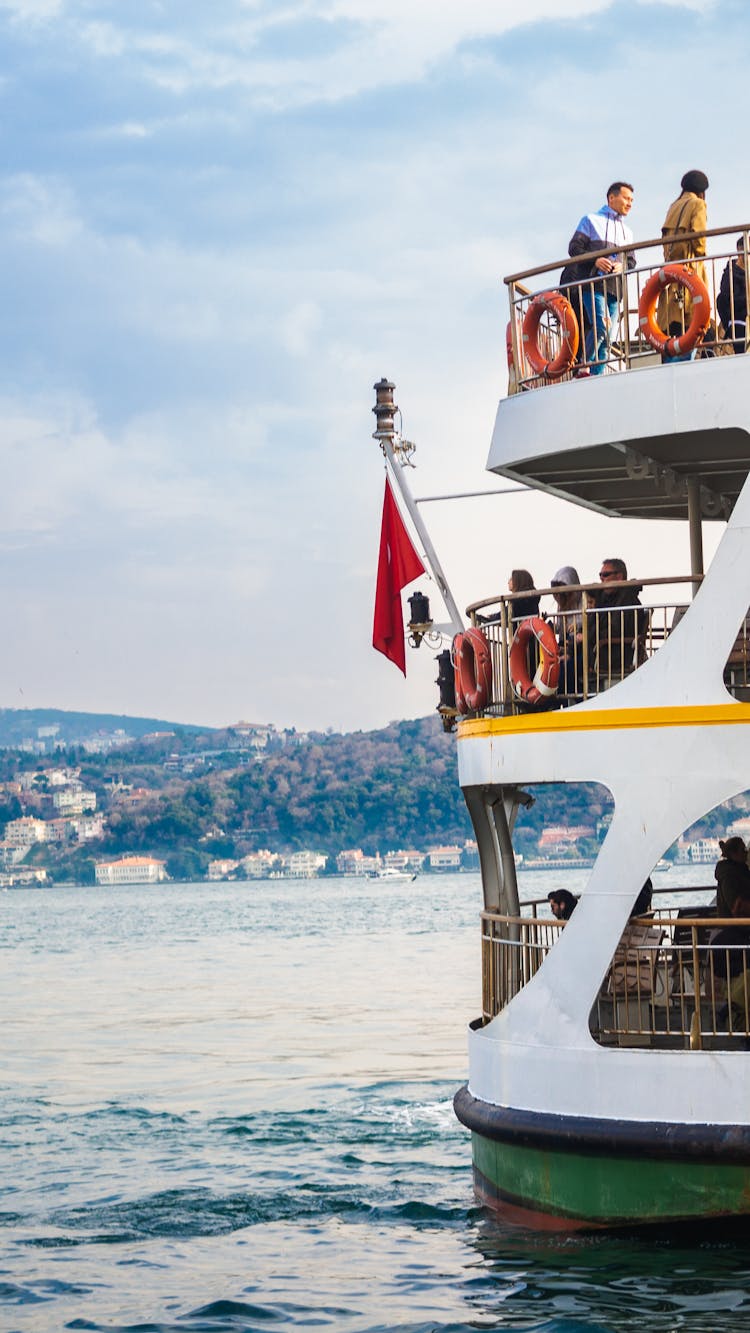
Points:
(385, 410)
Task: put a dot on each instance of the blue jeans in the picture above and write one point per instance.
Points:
(600, 308)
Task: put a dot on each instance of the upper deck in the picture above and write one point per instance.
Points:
(637, 438)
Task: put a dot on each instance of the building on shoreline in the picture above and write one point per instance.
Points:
(131, 870)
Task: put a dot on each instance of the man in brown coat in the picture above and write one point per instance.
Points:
(685, 216)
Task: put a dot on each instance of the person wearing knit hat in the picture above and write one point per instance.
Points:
(685, 216)
(569, 630)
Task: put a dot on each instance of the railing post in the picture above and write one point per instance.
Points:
(626, 307)
(585, 651)
(504, 654)
(696, 531)
(696, 1036)
(520, 371)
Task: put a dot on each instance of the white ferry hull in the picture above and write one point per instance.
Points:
(568, 1130)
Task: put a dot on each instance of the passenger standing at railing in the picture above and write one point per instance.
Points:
(569, 630)
(731, 303)
(732, 876)
(729, 944)
(618, 633)
(600, 281)
(522, 607)
(685, 216)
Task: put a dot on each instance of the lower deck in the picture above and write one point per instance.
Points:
(679, 978)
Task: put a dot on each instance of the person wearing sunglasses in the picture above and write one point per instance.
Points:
(619, 625)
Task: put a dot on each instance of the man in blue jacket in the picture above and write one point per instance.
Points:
(599, 279)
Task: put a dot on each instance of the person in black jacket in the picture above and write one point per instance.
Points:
(732, 876)
(618, 634)
(729, 944)
(731, 303)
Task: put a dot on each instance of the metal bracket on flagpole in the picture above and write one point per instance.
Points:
(392, 445)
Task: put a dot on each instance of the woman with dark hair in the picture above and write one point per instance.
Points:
(562, 903)
(522, 607)
(733, 878)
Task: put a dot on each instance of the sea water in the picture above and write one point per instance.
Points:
(228, 1107)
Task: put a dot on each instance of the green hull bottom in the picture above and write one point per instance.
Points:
(547, 1189)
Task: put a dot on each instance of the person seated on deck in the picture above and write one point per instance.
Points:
(562, 904)
(731, 303)
(732, 876)
(522, 607)
(642, 904)
(633, 970)
(569, 630)
(618, 626)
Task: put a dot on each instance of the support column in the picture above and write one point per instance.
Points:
(696, 531)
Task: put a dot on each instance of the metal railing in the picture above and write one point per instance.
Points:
(598, 645)
(513, 950)
(679, 978)
(626, 346)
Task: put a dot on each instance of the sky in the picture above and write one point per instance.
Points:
(220, 225)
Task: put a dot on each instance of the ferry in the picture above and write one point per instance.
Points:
(609, 1069)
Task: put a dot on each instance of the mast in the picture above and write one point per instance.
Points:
(392, 445)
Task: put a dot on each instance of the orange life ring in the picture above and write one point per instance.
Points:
(701, 309)
(472, 664)
(557, 305)
(547, 674)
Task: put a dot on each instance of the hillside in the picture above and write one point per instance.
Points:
(188, 795)
(21, 725)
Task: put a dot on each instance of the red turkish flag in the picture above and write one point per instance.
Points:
(398, 564)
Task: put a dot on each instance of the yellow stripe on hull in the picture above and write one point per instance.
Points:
(606, 719)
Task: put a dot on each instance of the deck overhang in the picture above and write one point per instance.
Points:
(628, 444)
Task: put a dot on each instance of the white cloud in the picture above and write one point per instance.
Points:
(42, 209)
(299, 327)
(384, 45)
(133, 129)
(186, 395)
(32, 10)
(371, 45)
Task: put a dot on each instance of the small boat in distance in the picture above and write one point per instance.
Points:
(393, 876)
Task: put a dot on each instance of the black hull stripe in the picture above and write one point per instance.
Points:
(603, 1138)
